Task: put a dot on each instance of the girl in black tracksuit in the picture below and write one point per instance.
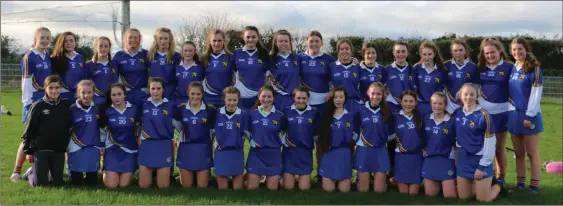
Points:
(47, 134)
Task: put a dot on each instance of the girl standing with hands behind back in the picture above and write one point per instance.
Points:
(100, 71)
(525, 118)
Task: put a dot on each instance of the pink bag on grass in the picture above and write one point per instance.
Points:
(554, 167)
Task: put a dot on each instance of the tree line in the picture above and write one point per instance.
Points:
(548, 51)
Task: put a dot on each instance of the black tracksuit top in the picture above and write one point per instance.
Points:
(47, 126)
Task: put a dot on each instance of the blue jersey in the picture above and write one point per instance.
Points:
(347, 76)
(75, 73)
(122, 127)
(315, 75)
(473, 128)
(35, 68)
(250, 71)
(526, 89)
(161, 67)
(459, 75)
(494, 82)
(374, 131)
(132, 68)
(342, 129)
(409, 140)
(102, 76)
(218, 73)
(369, 76)
(185, 75)
(284, 74)
(85, 131)
(397, 81)
(267, 130)
(440, 136)
(302, 127)
(426, 83)
(157, 120)
(196, 126)
(229, 131)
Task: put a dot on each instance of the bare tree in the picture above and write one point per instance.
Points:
(196, 29)
(298, 39)
(114, 14)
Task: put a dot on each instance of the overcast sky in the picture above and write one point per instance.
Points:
(377, 19)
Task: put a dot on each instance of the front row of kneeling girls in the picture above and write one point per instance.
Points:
(210, 137)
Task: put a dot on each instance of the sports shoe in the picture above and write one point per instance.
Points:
(27, 173)
(534, 189)
(521, 186)
(15, 177)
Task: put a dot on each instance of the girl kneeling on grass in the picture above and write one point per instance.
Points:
(438, 168)
(85, 147)
(371, 154)
(229, 132)
(47, 134)
(156, 147)
(120, 120)
(194, 150)
(336, 136)
(476, 148)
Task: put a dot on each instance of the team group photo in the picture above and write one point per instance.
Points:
(250, 114)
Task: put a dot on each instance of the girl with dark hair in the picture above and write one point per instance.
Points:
(188, 70)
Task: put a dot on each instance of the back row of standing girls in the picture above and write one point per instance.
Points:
(250, 67)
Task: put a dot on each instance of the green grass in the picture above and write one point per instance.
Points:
(21, 193)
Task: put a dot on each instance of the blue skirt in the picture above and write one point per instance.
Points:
(371, 159)
(264, 161)
(467, 163)
(117, 160)
(500, 122)
(336, 164)
(408, 168)
(283, 101)
(86, 159)
(228, 162)
(438, 168)
(156, 153)
(215, 100)
(516, 123)
(194, 156)
(297, 160)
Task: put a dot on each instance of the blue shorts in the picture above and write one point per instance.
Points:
(228, 162)
(194, 156)
(438, 168)
(264, 161)
(35, 96)
(156, 153)
(500, 122)
(117, 160)
(371, 159)
(247, 103)
(215, 100)
(394, 108)
(467, 163)
(516, 123)
(86, 159)
(336, 164)
(137, 97)
(408, 168)
(297, 160)
(283, 101)
(423, 108)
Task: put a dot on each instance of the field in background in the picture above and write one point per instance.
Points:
(551, 146)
